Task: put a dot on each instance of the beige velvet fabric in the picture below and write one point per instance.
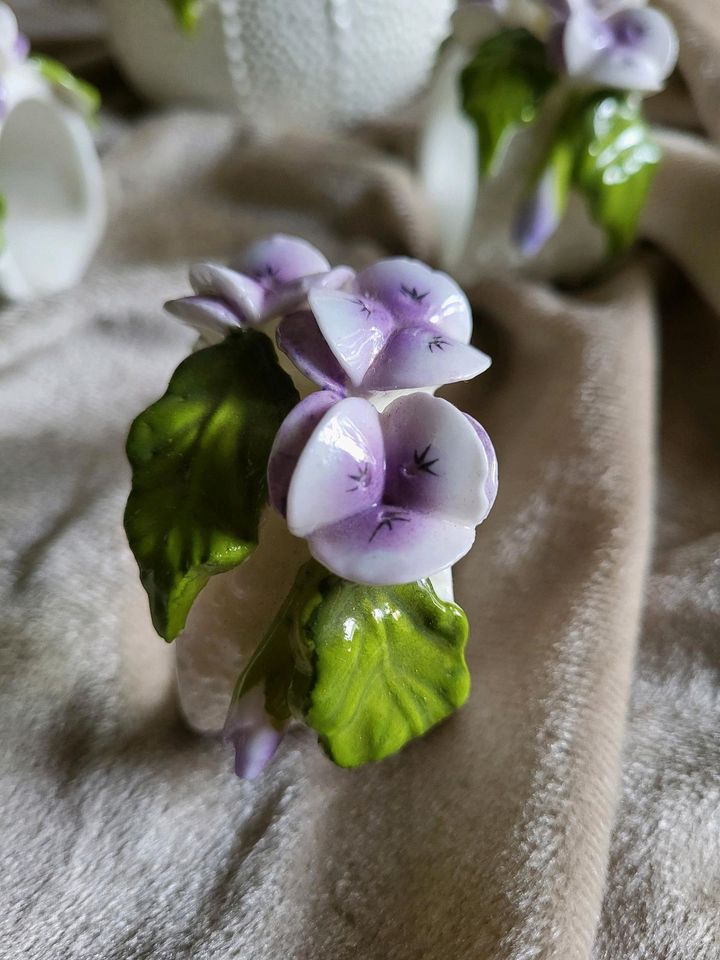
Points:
(572, 809)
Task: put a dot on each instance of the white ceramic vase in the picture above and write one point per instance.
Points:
(281, 65)
(52, 186)
(474, 216)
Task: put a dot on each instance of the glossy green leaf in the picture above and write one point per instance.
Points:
(377, 666)
(77, 92)
(199, 457)
(273, 662)
(615, 163)
(187, 13)
(3, 214)
(503, 88)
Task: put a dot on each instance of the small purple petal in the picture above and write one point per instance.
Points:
(251, 732)
(436, 463)
(423, 357)
(292, 295)
(389, 544)
(281, 259)
(491, 482)
(341, 470)
(356, 329)
(241, 293)
(299, 337)
(538, 217)
(290, 441)
(21, 47)
(412, 293)
(205, 314)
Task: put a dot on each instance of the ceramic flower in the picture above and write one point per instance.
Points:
(273, 278)
(253, 735)
(383, 498)
(623, 45)
(14, 46)
(397, 325)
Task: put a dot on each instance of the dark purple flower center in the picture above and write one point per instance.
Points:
(627, 31)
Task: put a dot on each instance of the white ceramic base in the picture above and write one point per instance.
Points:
(51, 180)
(474, 217)
(283, 65)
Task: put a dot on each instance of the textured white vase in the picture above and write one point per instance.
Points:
(283, 64)
(52, 184)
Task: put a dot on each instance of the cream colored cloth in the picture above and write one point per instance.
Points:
(500, 835)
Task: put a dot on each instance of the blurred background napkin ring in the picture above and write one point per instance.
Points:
(51, 184)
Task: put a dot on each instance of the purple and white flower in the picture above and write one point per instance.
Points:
(273, 278)
(620, 44)
(383, 498)
(252, 733)
(398, 325)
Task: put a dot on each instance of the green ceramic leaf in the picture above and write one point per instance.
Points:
(78, 92)
(187, 13)
(199, 457)
(273, 662)
(503, 87)
(377, 666)
(615, 164)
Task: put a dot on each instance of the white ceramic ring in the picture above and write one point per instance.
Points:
(52, 186)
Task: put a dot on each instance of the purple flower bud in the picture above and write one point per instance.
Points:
(252, 733)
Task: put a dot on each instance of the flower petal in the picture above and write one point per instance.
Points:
(355, 329)
(491, 483)
(585, 39)
(389, 545)
(424, 357)
(413, 293)
(341, 471)
(207, 315)
(280, 259)
(290, 296)
(243, 295)
(290, 441)
(299, 337)
(436, 462)
(251, 732)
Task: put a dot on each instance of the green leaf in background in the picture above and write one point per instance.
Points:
(615, 164)
(187, 13)
(78, 93)
(503, 87)
(377, 666)
(199, 457)
(603, 149)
